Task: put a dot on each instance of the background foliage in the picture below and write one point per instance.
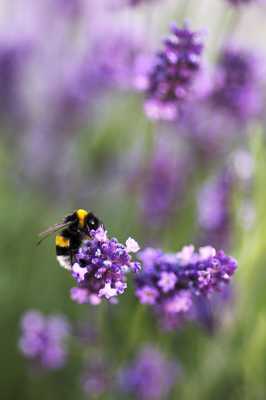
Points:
(228, 364)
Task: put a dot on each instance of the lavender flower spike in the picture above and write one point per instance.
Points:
(42, 339)
(101, 267)
(170, 282)
(172, 74)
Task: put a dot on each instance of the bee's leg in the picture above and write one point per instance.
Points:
(72, 257)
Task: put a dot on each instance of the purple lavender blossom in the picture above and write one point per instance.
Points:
(101, 267)
(42, 339)
(189, 274)
(173, 72)
(147, 294)
(214, 210)
(151, 376)
(237, 89)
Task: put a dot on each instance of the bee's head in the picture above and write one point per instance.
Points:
(92, 222)
(83, 220)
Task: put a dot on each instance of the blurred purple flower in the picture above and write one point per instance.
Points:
(95, 379)
(117, 58)
(74, 95)
(244, 2)
(138, 2)
(237, 87)
(162, 182)
(196, 274)
(14, 55)
(42, 339)
(209, 132)
(214, 210)
(68, 7)
(150, 376)
(174, 69)
(101, 267)
(211, 313)
(132, 3)
(147, 294)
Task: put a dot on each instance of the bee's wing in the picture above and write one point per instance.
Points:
(51, 230)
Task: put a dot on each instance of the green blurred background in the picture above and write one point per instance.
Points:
(230, 364)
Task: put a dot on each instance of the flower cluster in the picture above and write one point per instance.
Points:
(237, 84)
(172, 73)
(42, 339)
(101, 266)
(151, 376)
(170, 282)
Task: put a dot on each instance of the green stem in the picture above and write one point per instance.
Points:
(135, 329)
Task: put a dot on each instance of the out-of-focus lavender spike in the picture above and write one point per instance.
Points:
(151, 375)
(71, 8)
(42, 339)
(162, 182)
(14, 57)
(210, 132)
(211, 314)
(96, 377)
(131, 3)
(118, 53)
(238, 3)
(237, 88)
(138, 2)
(214, 210)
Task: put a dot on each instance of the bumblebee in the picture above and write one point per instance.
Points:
(74, 229)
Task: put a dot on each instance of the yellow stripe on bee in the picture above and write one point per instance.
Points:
(61, 241)
(82, 214)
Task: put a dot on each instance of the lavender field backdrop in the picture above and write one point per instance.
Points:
(151, 114)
